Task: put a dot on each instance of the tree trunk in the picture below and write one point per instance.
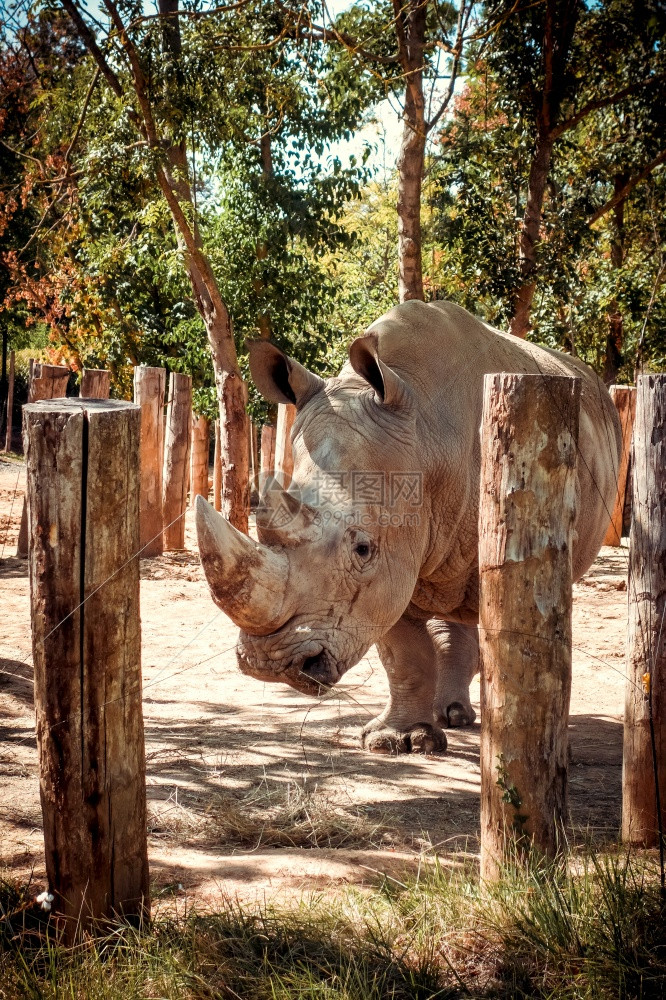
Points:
(176, 460)
(624, 398)
(529, 235)
(526, 517)
(199, 458)
(615, 339)
(83, 487)
(411, 29)
(410, 179)
(231, 393)
(644, 770)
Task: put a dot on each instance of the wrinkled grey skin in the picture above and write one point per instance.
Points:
(330, 577)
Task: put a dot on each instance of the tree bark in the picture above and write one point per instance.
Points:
(176, 460)
(83, 488)
(644, 770)
(411, 30)
(529, 436)
(529, 235)
(624, 398)
(149, 386)
(615, 339)
(559, 26)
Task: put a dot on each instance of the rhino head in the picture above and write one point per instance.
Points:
(340, 551)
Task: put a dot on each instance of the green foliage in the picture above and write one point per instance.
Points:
(255, 106)
(481, 172)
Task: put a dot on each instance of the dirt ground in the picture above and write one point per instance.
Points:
(256, 790)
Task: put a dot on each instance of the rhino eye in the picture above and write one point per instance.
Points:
(362, 550)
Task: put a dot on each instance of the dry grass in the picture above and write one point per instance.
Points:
(274, 814)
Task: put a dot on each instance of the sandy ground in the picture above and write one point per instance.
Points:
(241, 775)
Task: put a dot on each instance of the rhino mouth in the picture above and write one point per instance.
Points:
(313, 674)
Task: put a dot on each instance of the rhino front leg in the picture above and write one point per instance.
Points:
(406, 725)
(457, 652)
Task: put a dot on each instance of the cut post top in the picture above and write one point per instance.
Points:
(71, 404)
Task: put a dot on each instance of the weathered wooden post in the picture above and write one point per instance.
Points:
(46, 382)
(529, 436)
(624, 397)
(199, 458)
(254, 457)
(284, 459)
(10, 403)
(149, 385)
(176, 460)
(95, 383)
(644, 771)
(217, 469)
(267, 452)
(83, 502)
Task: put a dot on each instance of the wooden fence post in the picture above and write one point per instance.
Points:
(217, 469)
(10, 403)
(284, 459)
(254, 457)
(95, 383)
(149, 385)
(46, 382)
(529, 436)
(199, 458)
(176, 459)
(624, 398)
(644, 771)
(267, 453)
(83, 490)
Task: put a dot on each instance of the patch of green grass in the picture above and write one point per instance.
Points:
(594, 929)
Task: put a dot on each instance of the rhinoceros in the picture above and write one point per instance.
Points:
(375, 541)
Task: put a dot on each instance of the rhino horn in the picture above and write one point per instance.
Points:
(247, 580)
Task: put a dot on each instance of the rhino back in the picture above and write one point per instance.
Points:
(443, 352)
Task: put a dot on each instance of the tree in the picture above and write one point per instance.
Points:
(174, 95)
(562, 61)
(402, 46)
(585, 285)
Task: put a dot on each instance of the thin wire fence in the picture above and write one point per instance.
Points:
(341, 693)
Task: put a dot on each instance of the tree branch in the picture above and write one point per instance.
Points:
(627, 188)
(88, 38)
(604, 102)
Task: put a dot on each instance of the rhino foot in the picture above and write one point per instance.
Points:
(421, 738)
(458, 715)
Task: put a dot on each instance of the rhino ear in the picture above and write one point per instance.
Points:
(389, 387)
(278, 377)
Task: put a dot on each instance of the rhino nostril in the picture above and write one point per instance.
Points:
(311, 663)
